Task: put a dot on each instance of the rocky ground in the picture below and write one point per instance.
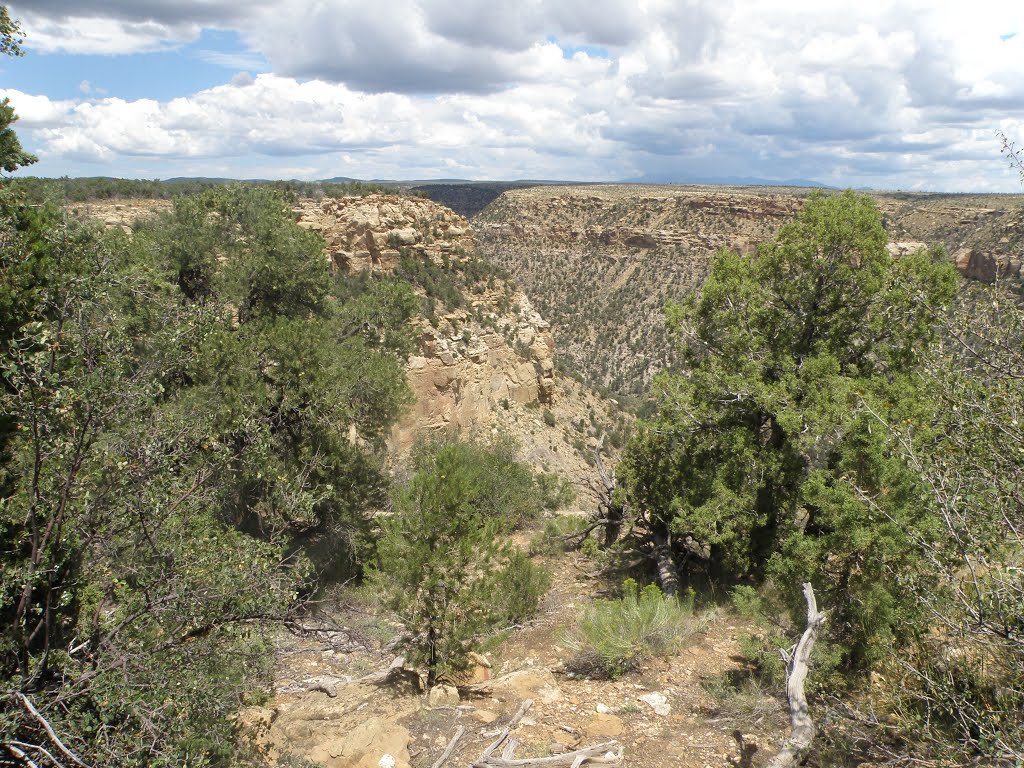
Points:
(661, 715)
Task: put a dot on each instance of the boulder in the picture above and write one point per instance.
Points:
(443, 696)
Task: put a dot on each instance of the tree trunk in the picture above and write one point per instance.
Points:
(668, 575)
(794, 749)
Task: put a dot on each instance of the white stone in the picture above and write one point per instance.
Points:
(659, 703)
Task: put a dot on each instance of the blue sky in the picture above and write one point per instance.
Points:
(893, 95)
(165, 74)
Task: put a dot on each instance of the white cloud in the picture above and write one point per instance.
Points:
(99, 35)
(892, 93)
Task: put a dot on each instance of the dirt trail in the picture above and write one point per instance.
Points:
(568, 712)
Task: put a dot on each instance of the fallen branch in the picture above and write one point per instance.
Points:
(450, 748)
(27, 703)
(395, 669)
(509, 727)
(795, 747)
(21, 755)
(608, 753)
(329, 683)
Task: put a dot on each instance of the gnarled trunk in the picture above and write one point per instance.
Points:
(795, 747)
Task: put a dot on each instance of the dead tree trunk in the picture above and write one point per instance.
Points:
(794, 749)
(668, 574)
(611, 513)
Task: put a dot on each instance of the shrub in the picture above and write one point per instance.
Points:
(520, 587)
(444, 565)
(555, 492)
(615, 636)
(502, 488)
(553, 538)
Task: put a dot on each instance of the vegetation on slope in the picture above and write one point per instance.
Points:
(822, 432)
(179, 413)
(445, 564)
(80, 190)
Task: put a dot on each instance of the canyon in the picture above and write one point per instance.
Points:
(601, 261)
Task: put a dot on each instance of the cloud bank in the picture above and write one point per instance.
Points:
(885, 94)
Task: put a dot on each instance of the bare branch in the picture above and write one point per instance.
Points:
(26, 702)
(799, 741)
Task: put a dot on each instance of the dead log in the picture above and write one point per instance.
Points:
(607, 753)
(450, 748)
(794, 749)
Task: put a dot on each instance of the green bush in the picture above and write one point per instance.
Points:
(520, 587)
(768, 453)
(614, 637)
(555, 492)
(444, 564)
(503, 488)
(552, 538)
(549, 418)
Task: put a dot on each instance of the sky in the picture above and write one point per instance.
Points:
(887, 94)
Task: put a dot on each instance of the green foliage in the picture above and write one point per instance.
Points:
(121, 583)
(502, 488)
(549, 418)
(12, 156)
(238, 244)
(189, 418)
(443, 562)
(741, 699)
(10, 34)
(520, 587)
(295, 366)
(614, 637)
(555, 537)
(555, 492)
(763, 453)
(87, 189)
(957, 691)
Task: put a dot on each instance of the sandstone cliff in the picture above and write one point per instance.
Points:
(484, 367)
(600, 261)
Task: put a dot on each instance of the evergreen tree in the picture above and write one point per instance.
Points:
(762, 450)
(444, 563)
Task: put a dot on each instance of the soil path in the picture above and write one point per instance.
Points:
(569, 711)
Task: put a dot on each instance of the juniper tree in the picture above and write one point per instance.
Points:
(786, 355)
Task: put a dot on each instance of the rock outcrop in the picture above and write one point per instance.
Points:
(600, 261)
(485, 367)
(472, 360)
(369, 233)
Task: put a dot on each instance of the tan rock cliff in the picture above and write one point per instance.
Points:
(484, 368)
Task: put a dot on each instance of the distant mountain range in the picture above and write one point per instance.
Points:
(728, 181)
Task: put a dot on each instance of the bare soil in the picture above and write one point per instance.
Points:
(569, 712)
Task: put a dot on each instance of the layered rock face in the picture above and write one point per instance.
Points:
(472, 359)
(601, 261)
(486, 367)
(369, 233)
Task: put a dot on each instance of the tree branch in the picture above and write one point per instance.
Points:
(795, 747)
